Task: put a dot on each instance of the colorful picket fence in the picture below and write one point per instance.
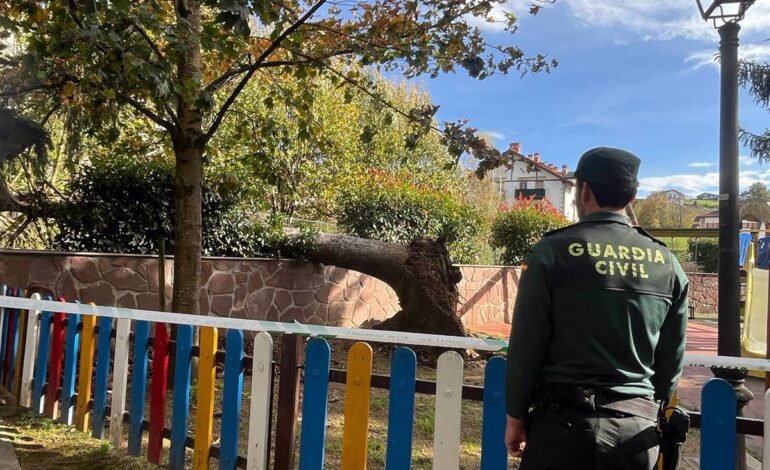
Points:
(75, 368)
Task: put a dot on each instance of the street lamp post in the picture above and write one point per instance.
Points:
(725, 14)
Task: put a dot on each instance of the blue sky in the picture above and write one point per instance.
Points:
(637, 74)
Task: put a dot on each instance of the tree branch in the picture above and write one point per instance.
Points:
(261, 59)
(31, 88)
(148, 40)
(149, 113)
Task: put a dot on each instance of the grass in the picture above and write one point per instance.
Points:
(42, 443)
(702, 203)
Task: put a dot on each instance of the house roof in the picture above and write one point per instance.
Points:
(710, 214)
(666, 191)
(552, 170)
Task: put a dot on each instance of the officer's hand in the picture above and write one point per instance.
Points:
(515, 436)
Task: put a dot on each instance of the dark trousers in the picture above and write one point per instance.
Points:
(603, 440)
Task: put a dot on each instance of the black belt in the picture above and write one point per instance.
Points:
(592, 399)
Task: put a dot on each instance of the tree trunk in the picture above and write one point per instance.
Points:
(422, 275)
(188, 178)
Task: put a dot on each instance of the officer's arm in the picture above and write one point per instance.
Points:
(531, 329)
(669, 354)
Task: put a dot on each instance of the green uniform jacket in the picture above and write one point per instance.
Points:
(599, 304)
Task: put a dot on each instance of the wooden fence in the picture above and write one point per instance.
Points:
(76, 368)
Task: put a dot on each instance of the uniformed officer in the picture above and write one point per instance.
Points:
(598, 332)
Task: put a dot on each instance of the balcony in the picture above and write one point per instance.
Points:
(530, 193)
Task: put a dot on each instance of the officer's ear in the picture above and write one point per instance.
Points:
(584, 193)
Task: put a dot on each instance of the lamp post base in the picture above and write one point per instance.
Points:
(737, 379)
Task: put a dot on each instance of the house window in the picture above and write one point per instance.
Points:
(539, 184)
(522, 185)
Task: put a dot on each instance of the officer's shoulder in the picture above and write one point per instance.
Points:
(645, 233)
(557, 231)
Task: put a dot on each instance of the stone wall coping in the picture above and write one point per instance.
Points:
(702, 274)
(14, 251)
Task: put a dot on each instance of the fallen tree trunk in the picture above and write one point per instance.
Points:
(421, 274)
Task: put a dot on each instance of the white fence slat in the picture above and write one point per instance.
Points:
(449, 388)
(30, 349)
(3, 290)
(259, 419)
(766, 440)
(119, 379)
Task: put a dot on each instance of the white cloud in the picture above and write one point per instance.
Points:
(752, 52)
(494, 135)
(497, 17)
(661, 19)
(694, 184)
(700, 164)
(746, 161)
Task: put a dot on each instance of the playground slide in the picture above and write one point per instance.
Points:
(754, 336)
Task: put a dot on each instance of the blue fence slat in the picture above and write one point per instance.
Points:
(71, 347)
(13, 339)
(718, 426)
(138, 387)
(403, 377)
(231, 400)
(315, 403)
(101, 376)
(41, 362)
(181, 404)
(494, 455)
(4, 317)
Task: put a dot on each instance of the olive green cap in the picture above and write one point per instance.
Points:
(607, 165)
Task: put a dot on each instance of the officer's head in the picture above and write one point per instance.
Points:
(606, 180)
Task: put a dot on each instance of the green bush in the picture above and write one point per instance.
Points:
(516, 229)
(385, 208)
(120, 206)
(705, 252)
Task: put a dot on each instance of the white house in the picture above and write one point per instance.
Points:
(711, 220)
(529, 176)
(672, 195)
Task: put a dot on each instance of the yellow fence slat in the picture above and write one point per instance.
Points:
(357, 392)
(205, 409)
(87, 346)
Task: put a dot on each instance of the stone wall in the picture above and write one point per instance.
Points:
(266, 289)
(704, 292)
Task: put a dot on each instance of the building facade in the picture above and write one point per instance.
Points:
(529, 176)
(672, 195)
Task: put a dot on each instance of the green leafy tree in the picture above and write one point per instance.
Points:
(757, 190)
(96, 217)
(657, 211)
(386, 208)
(183, 64)
(298, 167)
(517, 228)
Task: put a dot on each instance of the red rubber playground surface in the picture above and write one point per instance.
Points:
(701, 339)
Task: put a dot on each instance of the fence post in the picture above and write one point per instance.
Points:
(28, 368)
(718, 426)
(288, 402)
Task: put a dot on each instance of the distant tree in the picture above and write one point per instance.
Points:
(657, 211)
(650, 211)
(757, 190)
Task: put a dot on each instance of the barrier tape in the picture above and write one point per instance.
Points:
(415, 339)
(397, 337)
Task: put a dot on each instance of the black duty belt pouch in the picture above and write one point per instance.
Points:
(592, 399)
